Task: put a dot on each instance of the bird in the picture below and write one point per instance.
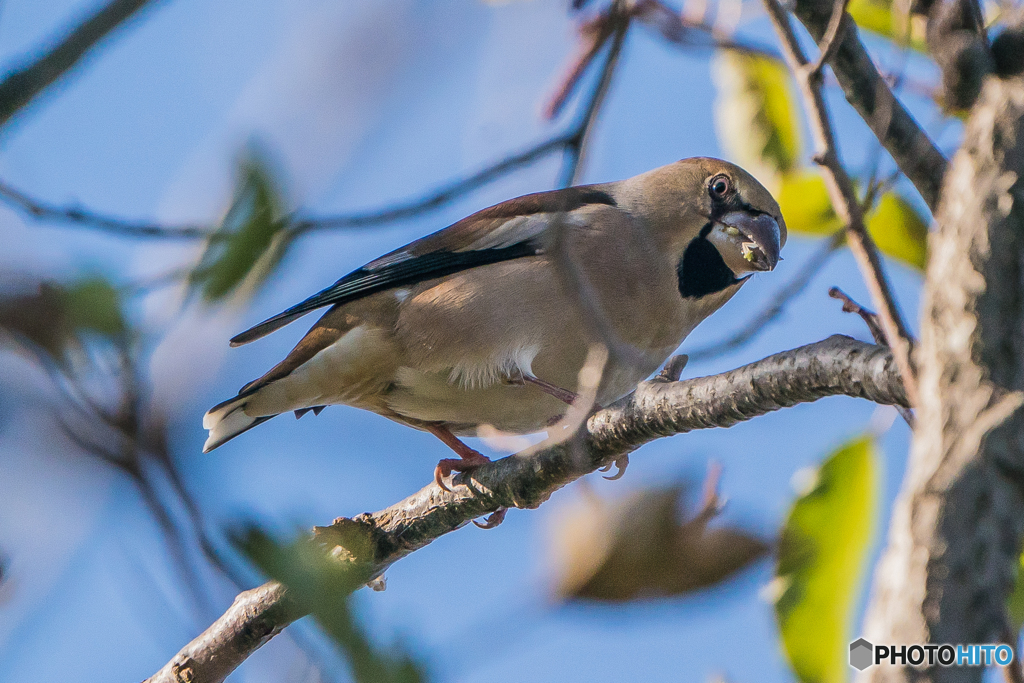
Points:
(477, 324)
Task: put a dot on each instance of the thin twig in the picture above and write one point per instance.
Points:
(447, 193)
(678, 30)
(23, 84)
(870, 319)
(577, 140)
(301, 225)
(844, 197)
(829, 42)
(594, 33)
(41, 210)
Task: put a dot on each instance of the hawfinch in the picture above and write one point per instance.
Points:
(475, 325)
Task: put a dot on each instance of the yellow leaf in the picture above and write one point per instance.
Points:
(805, 204)
(879, 17)
(1015, 602)
(899, 231)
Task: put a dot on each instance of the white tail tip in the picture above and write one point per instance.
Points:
(225, 422)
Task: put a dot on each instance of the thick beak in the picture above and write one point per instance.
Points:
(757, 236)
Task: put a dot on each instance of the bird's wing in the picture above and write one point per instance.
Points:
(503, 232)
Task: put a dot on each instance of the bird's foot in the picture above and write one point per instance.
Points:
(493, 519)
(446, 466)
(468, 459)
(620, 464)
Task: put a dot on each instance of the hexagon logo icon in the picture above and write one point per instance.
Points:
(861, 654)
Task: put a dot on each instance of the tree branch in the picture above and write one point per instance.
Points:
(844, 197)
(25, 83)
(836, 366)
(866, 89)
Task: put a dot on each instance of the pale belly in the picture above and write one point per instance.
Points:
(516, 408)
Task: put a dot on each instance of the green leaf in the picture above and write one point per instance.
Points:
(898, 230)
(879, 17)
(321, 574)
(805, 204)
(251, 239)
(1015, 603)
(94, 305)
(756, 114)
(822, 554)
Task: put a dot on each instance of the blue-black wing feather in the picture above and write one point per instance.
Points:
(364, 282)
(443, 253)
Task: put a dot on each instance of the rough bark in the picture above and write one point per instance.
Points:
(836, 366)
(958, 522)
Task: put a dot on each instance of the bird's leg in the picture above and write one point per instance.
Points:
(563, 395)
(520, 378)
(468, 458)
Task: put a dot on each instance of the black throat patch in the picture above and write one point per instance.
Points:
(702, 271)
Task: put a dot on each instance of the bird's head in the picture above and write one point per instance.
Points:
(715, 220)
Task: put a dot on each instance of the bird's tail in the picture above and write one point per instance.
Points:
(227, 420)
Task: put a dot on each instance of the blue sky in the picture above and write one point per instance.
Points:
(361, 104)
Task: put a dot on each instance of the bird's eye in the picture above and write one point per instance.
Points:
(720, 186)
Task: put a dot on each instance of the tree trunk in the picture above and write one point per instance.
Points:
(958, 522)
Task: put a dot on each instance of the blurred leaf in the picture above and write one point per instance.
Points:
(756, 114)
(879, 17)
(39, 319)
(94, 305)
(1015, 603)
(251, 239)
(822, 555)
(899, 231)
(805, 204)
(55, 318)
(321, 577)
(638, 549)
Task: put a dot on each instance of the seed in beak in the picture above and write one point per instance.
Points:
(729, 230)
